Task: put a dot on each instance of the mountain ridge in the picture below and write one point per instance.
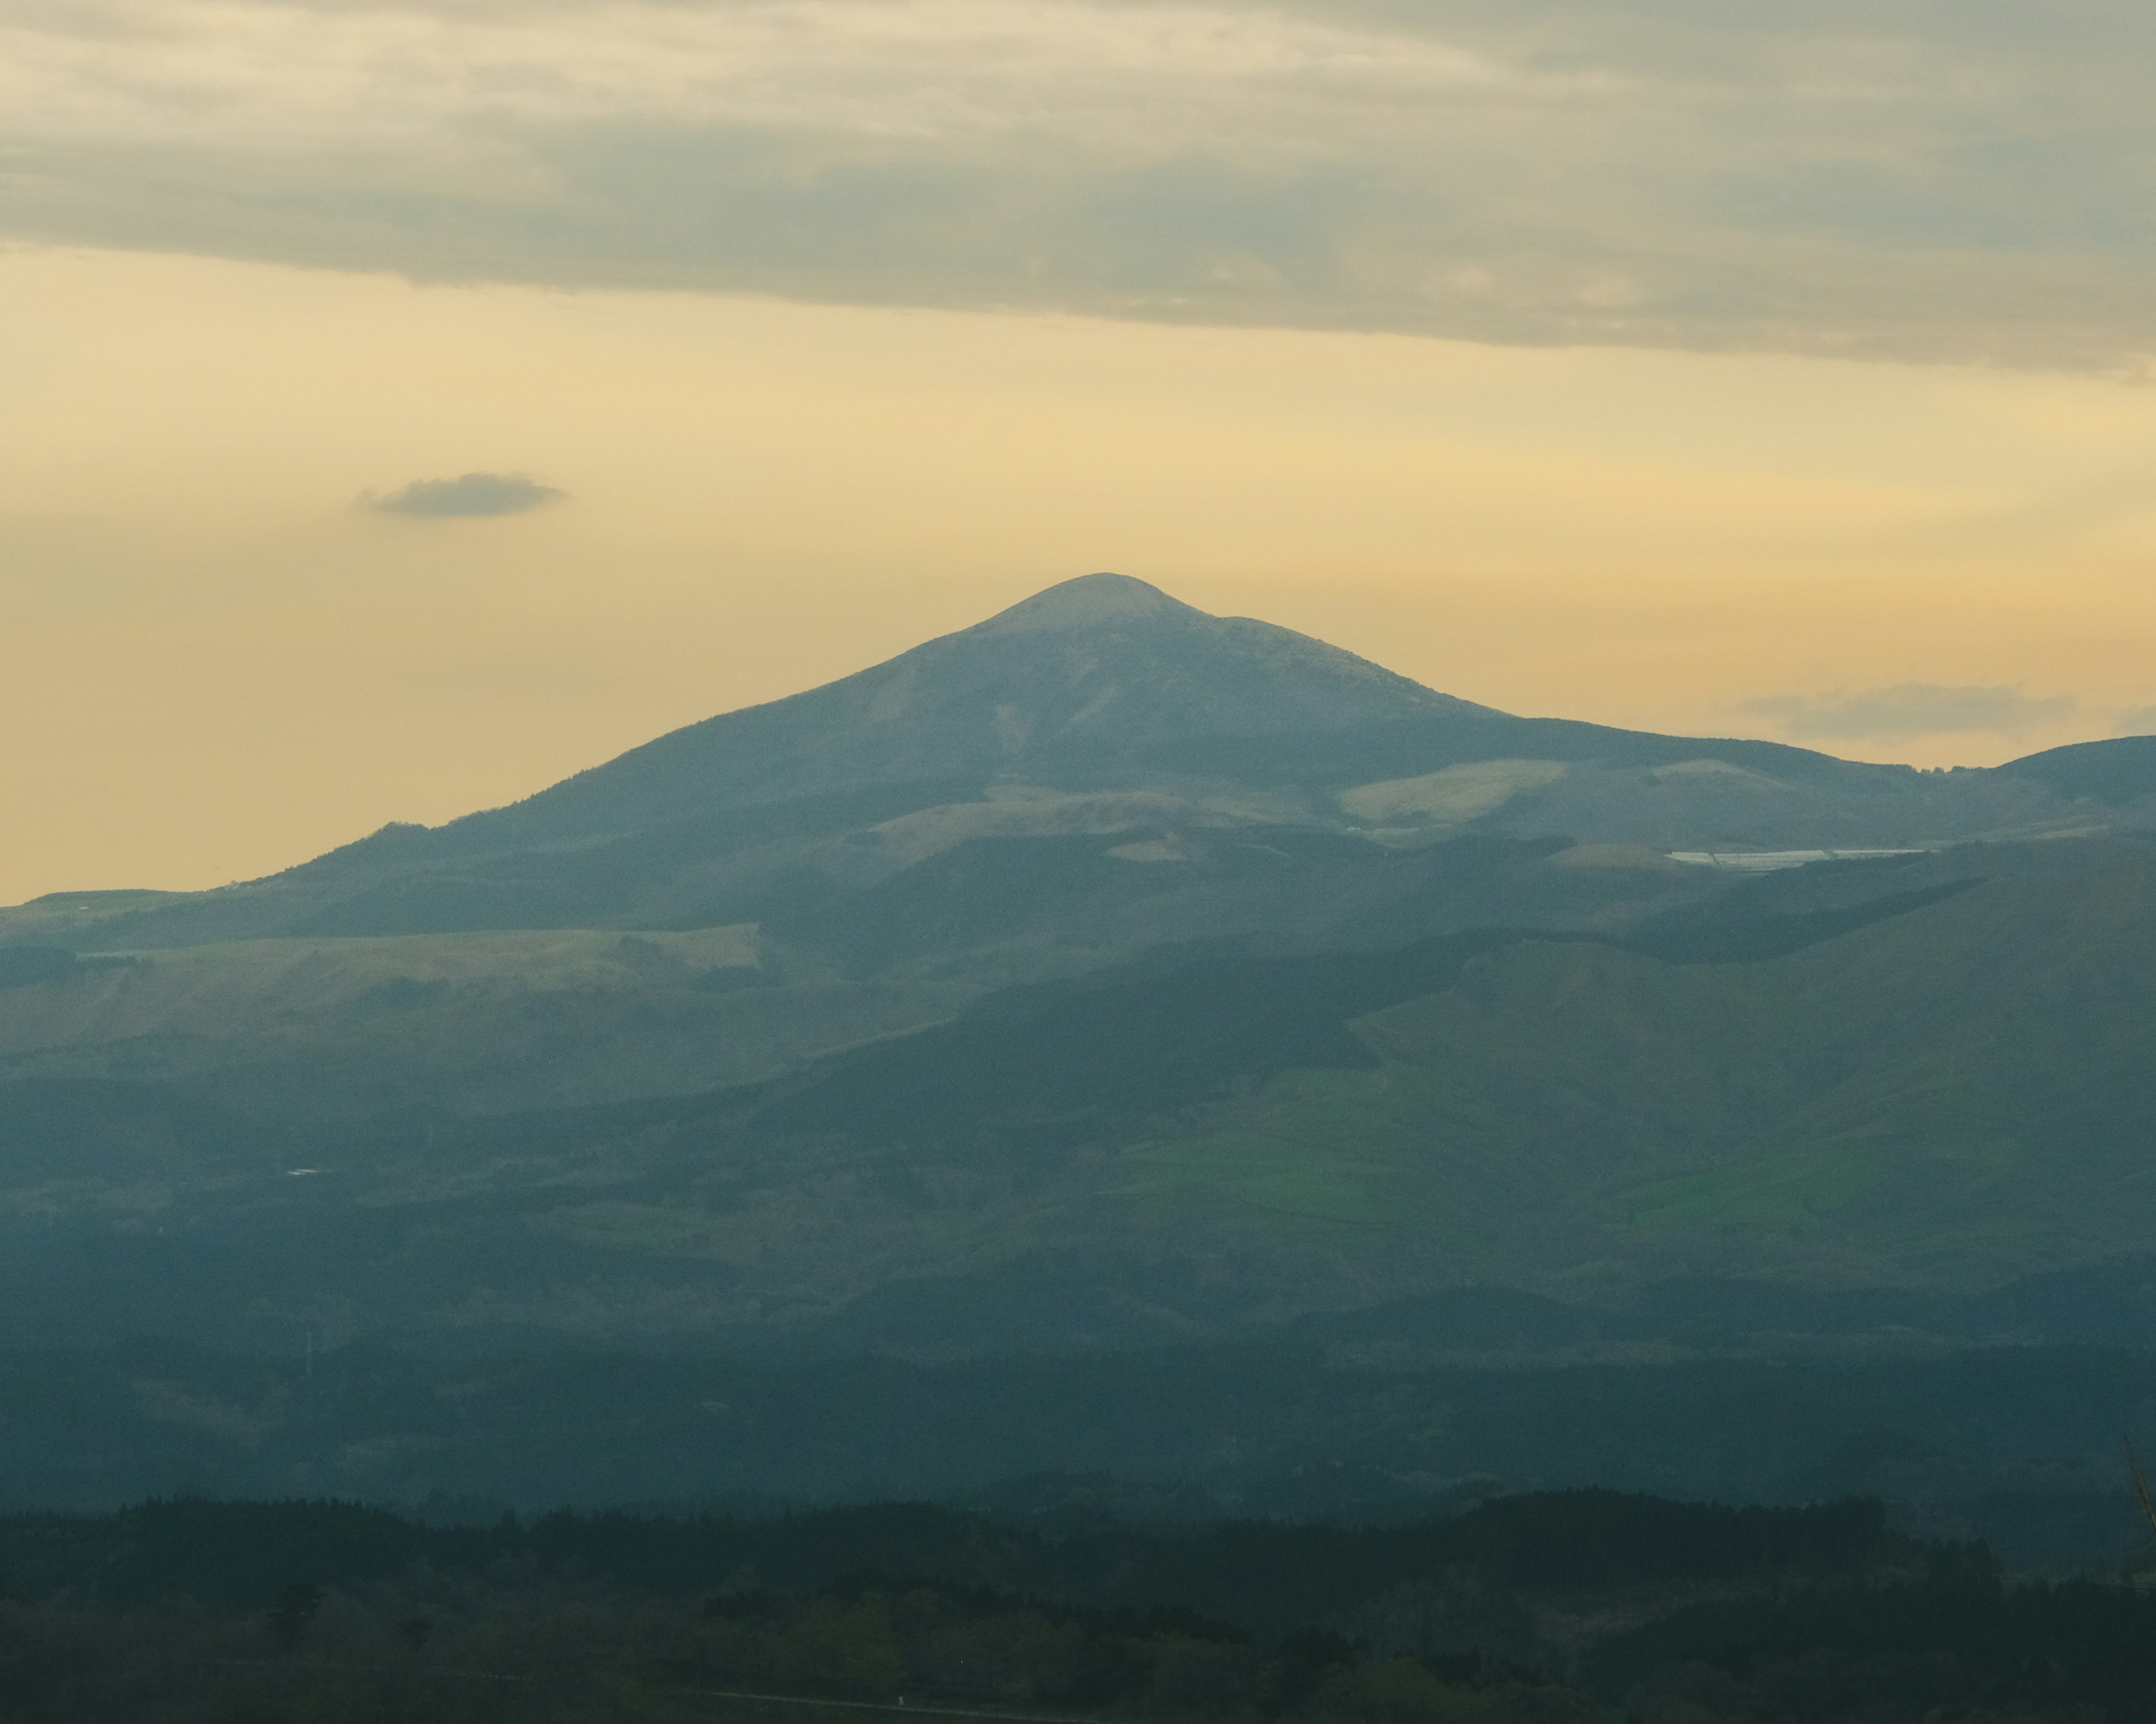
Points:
(1094, 773)
(1104, 681)
(945, 692)
(1110, 676)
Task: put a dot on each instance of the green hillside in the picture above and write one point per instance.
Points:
(1943, 1096)
(1916, 1076)
(1105, 973)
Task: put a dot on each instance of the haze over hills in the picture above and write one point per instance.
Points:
(1116, 1165)
(1110, 974)
(1095, 772)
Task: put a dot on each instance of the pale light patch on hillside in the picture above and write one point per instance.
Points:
(220, 989)
(1453, 796)
(542, 957)
(1773, 861)
(1719, 770)
(474, 1022)
(916, 837)
(70, 919)
(1626, 856)
(1029, 811)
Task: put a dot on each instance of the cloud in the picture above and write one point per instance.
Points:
(1910, 711)
(469, 494)
(1903, 178)
(2139, 721)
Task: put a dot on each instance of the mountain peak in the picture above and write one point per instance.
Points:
(1088, 602)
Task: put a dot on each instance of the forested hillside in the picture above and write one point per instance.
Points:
(1561, 1609)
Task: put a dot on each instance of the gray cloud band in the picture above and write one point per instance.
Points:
(1910, 711)
(1910, 180)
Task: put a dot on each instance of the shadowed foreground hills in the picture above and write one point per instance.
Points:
(1347, 1418)
(1561, 1609)
(1926, 1073)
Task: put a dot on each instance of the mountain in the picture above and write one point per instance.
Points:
(1100, 683)
(1108, 973)
(1096, 772)
(1088, 677)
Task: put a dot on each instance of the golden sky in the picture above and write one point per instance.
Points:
(1766, 370)
(212, 664)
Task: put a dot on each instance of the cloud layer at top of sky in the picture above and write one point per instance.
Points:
(1908, 179)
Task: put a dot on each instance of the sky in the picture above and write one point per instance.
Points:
(403, 407)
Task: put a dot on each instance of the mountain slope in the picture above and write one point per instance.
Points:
(1927, 1074)
(1939, 1097)
(1100, 685)
(1099, 679)
(1096, 772)
(2118, 771)
(1100, 667)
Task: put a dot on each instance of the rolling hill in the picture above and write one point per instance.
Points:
(1105, 973)
(1921, 1077)
(1098, 773)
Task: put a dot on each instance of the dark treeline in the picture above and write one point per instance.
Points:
(1560, 1609)
(1264, 1577)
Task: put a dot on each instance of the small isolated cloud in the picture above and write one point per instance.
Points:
(1908, 710)
(469, 495)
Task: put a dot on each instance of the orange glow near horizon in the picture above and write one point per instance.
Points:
(212, 665)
